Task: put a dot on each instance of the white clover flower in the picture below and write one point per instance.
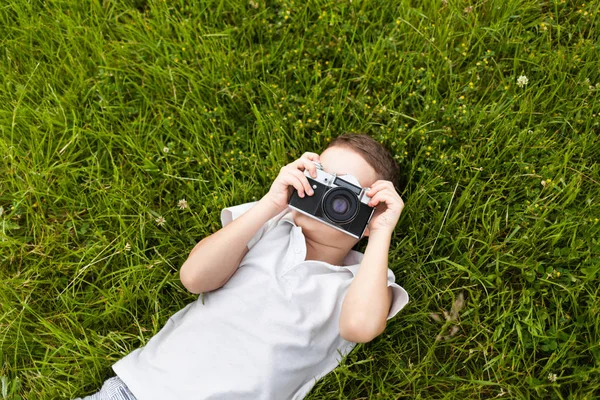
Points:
(160, 221)
(552, 377)
(183, 204)
(522, 81)
(166, 149)
(127, 247)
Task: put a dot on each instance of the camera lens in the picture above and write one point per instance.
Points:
(340, 205)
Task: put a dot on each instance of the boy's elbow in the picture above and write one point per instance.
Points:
(197, 281)
(188, 281)
(358, 331)
(193, 281)
(201, 273)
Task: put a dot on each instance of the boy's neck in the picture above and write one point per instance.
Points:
(327, 253)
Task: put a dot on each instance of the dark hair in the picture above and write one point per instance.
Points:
(374, 153)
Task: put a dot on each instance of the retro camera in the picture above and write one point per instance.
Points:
(338, 201)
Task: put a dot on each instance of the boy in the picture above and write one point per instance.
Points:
(286, 296)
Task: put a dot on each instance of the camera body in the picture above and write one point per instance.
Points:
(338, 201)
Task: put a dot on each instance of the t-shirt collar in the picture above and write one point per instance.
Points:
(352, 259)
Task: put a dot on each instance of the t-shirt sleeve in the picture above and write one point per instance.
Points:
(230, 213)
(400, 297)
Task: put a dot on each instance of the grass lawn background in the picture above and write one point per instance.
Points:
(113, 111)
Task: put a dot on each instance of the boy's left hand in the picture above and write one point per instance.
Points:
(387, 214)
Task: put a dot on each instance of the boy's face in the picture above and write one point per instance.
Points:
(341, 161)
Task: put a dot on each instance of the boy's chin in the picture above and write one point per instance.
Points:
(320, 231)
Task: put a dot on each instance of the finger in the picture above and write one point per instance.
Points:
(380, 185)
(289, 179)
(312, 168)
(292, 180)
(296, 164)
(303, 163)
(380, 197)
(383, 183)
(311, 156)
(391, 197)
(377, 184)
(299, 163)
(302, 178)
(375, 188)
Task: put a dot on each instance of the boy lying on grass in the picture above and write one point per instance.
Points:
(286, 296)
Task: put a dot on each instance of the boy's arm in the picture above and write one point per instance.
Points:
(215, 258)
(367, 302)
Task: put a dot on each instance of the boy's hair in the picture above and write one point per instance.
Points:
(374, 153)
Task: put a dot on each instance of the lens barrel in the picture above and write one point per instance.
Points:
(340, 205)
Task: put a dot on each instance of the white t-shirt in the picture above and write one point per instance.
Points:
(269, 333)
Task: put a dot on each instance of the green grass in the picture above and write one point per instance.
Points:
(502, 182)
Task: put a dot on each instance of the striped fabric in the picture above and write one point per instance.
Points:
(112, 389)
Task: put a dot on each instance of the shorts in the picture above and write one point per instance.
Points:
(112, 389)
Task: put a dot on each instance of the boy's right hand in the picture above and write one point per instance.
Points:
(291, 177)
